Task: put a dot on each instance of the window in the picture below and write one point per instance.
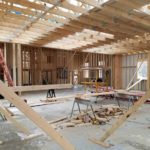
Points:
(101, 63)
(142, 70)
(101, 73)
(86, 71)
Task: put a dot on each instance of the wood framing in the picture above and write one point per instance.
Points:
(19, 66)
(33, 116)
(117, 71)
(14, 64)
(40, 87)
(122, 119)
(148, 70)
(58, 28)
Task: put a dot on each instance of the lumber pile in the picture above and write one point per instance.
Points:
(102, 116)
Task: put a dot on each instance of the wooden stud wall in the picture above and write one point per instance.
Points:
(93, 59)
(37, 62)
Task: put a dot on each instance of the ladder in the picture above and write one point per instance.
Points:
(5, 69)
(6, 74)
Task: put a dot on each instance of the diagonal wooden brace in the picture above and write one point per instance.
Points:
(35, 117)
(122, 119)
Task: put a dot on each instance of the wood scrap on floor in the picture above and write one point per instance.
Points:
(1, 142)
(55, 99)
(57, 120)
(103, 116)
(43, 102)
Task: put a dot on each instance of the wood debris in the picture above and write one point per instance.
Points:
(1, 142)
(102, 116)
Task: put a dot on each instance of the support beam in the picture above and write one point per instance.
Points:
(122, 119)
(14, 64)
(117, 71)
(40, 87)
(19, 69)
(137, 82)
(5, 59)
(148, 70)
(35, 117)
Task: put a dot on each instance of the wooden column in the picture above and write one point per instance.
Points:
(14, 64)
(148, 70)
(19, 69)
(117, 71)
(5, 59)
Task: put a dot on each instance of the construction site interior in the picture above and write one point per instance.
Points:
(74, 74)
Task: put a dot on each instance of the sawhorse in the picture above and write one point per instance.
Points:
(51, 93)
(86, 102)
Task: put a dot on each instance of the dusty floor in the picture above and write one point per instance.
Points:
(133, 135)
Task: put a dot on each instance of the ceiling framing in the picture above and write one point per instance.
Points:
(98, 26)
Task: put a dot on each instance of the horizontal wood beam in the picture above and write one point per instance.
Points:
(40, 87)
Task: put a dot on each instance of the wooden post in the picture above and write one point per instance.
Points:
(35, 117)
(14, 64)
(5, 59)
(19, 70)
(19, 66)
(5, 53)
(121, 120)
(117, 71)
(148, 71)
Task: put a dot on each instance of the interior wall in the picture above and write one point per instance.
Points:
(129, 66)
(60, 65)
(93, 60)
(46, 66)
(52, 66)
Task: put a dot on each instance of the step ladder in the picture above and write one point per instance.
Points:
(5, 69)
(7, 75)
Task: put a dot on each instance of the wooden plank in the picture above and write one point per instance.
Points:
(41, 87)
(123, 118)
(100, 143)
(35, 117)
(61, 97)
(10, 118)
(58, 120)
(95, 94)
(5, 59)
(19, 70)
(148, 70)
(14, 64)
(117, 72)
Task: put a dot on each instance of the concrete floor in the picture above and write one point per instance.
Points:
(133, 135)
